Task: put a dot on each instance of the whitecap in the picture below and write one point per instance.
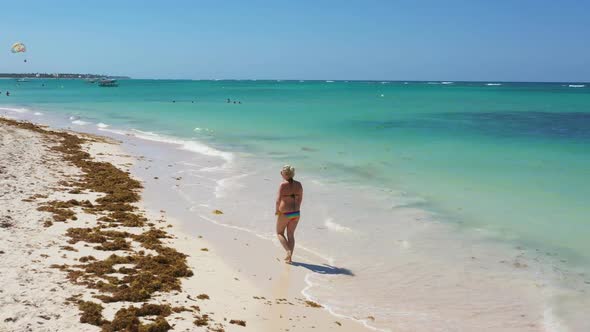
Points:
(207, 130)
(192, 146)
(38, 113)
(80, 122)
(446, 83)
(102, 125)
(318, 182)
(576, 85)
(206, 150)
(331, 225)
(493, 84)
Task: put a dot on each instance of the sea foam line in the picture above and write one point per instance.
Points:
(305, 293)
(14, 109)
(192, 146)
(221, 184)
(114, 131)
(247, 230)
(331, 225)
(187, 145)
(193, 203)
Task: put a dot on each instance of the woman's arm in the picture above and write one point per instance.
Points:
(300, 196)
(278, 202)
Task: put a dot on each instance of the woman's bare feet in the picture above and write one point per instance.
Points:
(288, 257)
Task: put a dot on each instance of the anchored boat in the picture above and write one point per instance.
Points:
(108, 83)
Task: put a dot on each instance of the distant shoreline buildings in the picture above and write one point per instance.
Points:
(59, 75)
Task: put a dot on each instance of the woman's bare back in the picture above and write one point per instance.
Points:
(290, 196)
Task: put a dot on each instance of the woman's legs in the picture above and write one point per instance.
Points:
(287, 242)
(282, 223)
(291, 226)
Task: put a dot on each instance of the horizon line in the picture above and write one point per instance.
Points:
(348, 80)
(122, 76)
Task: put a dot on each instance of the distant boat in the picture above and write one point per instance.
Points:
(23, 80)
(108, 83)
(91, 80)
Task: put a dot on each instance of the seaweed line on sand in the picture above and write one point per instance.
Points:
(157, 268)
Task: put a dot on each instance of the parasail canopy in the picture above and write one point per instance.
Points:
(18, 48)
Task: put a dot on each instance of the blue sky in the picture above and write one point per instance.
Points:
(507, 40)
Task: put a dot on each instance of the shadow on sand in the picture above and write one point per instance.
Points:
(324, 269)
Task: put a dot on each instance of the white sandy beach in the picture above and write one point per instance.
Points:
(37, 296)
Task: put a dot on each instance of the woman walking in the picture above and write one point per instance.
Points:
(287, 209)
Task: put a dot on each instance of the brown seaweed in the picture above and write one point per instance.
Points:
(150, 273)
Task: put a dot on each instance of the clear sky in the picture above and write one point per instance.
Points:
(491, 40)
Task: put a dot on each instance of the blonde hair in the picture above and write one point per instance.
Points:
(288, 171)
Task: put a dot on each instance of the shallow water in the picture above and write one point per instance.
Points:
(456, 204)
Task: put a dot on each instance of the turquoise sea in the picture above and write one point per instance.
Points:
(508, 160)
